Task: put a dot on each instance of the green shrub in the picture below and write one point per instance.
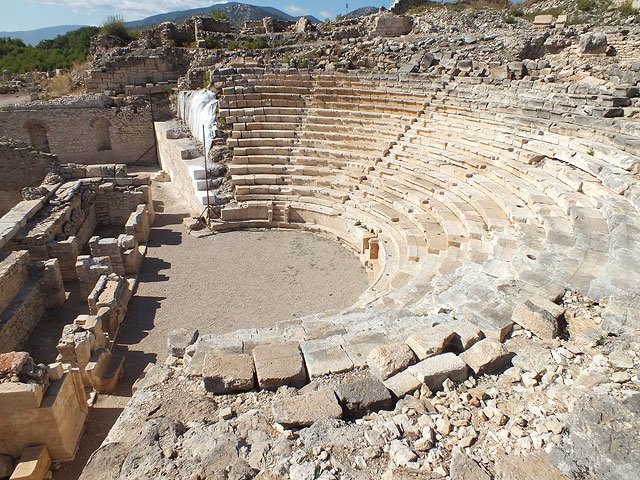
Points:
(627, 9)
(516, 11)
(219, 15)
(585, 5)
(212, 42)
(114, 26)
(509, 19)
(61, 52)
(253, 43)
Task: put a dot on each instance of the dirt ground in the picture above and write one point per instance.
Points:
(11, 98)
(218, 284)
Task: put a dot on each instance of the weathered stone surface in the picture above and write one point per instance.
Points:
(279, 364)
(535, 466)
(530, 356)
(601, 438)
(535, 319)
(435, 370)
(363, 396)
(402, 383)
(463, 467)
(304, 410)
(326, 359)
(466, 334)
(179, 339)
(431, 341)
(386, 360)
(227, 373)
(207, 344)
(593, 43)
(486, 356)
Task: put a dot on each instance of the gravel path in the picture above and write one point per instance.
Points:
(218, 284)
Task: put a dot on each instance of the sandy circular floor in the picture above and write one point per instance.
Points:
(224, 282)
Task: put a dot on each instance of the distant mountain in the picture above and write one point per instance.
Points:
(33, 37)
(362, 12)
(238, 13)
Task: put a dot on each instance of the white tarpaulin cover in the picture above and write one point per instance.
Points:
(197, 108)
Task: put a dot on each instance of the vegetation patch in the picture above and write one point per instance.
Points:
(62, 52)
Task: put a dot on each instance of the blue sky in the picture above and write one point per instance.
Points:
(31, 14)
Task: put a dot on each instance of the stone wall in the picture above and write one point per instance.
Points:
(90, 129)
(29, 415)
(20, 167)
(137, 67)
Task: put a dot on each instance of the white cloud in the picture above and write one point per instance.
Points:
(325, 14)
(295, 10)
(129, 9)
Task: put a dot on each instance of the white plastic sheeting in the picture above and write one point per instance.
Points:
(197, 108)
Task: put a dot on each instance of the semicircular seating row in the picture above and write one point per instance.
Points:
(466, 196)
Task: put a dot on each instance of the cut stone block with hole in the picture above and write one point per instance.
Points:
(431, 341)
(486, 356)
(279, 364)
(304, 410)
(228, 373)
(435, 370)
(387, 360)
(537, 320)
(362, 397)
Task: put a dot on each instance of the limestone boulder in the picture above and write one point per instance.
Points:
(279, 364)
(228, 373)
(593, 44)
(431, 341)
(601, 438)
(386, 360)
(537, 320)
(486, 356)
(304, 410)
(435, 370)
(463, 467)
(362, 397)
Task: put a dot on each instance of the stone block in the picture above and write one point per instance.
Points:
(228, 373)
(386, 360)
(304, 410)
(279, 364)
(179, 339)
(435, 370)
(466, 334)
(211, 344)
(593, 44)
(402, 383)
(463, 467)
(486, 356)
(431, 341)
(537, 320)
(362, 397)
(326, 360)
(19, 396)
(33, 465)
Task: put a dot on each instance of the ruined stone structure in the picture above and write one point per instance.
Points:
(491, 193)
(104, 129)
(21, 167)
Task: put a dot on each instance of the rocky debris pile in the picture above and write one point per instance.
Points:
(535, 404)
(493, 427)
(20, 367)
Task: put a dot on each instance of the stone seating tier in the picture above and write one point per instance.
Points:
(499, 181)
